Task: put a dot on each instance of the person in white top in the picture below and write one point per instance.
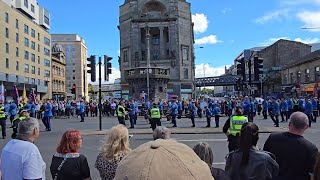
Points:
(20, 157)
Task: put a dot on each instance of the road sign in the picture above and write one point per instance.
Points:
(277, 68)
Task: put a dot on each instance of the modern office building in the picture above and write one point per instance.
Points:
(58, 73)
(25, 47)
(76, 63)
(168, 26)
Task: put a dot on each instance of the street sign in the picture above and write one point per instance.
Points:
(278, 68)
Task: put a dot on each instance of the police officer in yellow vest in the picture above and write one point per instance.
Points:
(155, 116)
(3, 120)
(232, 128)
(121, 113)
(23, 115)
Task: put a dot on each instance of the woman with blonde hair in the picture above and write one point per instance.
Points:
(112, 151)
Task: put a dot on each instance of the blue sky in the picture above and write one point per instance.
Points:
(223, 28)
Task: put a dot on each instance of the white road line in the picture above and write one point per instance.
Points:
(200, 140)
(219, 163)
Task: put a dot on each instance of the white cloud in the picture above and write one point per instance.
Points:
(200, 23)
(212, 39)
(115, 75)
(225, 10)
(272, 40)
(299, 2)
(275, 15)
(207, 70)
(311, 19)
(308, 40)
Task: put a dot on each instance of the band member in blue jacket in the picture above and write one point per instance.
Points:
(284, 110)
(275, 112)
(308, 110)
(216, 113)
(265, 109)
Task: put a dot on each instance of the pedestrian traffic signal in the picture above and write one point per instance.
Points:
(107, 67)
(258, 67)
(92, 67)
(241, 68)
(73, 89)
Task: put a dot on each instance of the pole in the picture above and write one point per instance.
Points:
(261, 88)
(100, 118)
(148, 60)
(84, 82)
(204, 79)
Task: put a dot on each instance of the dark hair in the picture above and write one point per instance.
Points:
(239, 110)
(316, 171)
(248, 138)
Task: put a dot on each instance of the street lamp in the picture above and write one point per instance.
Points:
(148, 59)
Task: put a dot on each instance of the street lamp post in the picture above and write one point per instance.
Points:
(148, 60)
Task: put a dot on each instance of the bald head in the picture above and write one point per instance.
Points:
(299, 120)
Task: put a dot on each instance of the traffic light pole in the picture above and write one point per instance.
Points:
(100, 79)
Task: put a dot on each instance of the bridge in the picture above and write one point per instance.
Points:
(224, 80)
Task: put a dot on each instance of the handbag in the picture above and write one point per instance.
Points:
(59, 168)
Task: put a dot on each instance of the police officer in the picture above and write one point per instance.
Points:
(275, 112)
(233, 126)
(174, 112)
(3, 120)
(155, 116)
(121, 113)
(23, 115)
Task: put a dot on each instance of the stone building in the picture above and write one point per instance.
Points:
(302, 78)
(76, 54)
(25, 45)
(58, 73)
(168, 26)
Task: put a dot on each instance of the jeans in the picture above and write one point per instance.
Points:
(46, 121)
(82, 116)
(3, 127)
(132, 120)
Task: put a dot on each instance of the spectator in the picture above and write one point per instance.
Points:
(294, 154)
(20, 157)
(248, 162)
(316, 171)
(163, 159)
(204, 151)
(67, 163)
(161, 132)
(112, 152)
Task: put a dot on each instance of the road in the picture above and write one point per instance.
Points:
(92, 139)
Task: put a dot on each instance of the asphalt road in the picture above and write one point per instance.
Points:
(48, 141)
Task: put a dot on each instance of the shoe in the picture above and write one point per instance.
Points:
(217, 127)
(174, 126)
(207, 126)
(193, 126)
(3, 137)
(282, 121)
(81, 121)
(276, 125)
(130, 136)
(131, 128)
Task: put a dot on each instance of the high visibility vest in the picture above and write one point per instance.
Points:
(155, 113)
(119, 113)
(296, 103)
(2, 115)
(236, 123)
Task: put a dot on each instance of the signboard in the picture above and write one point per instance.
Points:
(276, 68)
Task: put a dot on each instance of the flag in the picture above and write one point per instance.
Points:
(32, 96)
(2, 92)
(24, 95)
(15, 95)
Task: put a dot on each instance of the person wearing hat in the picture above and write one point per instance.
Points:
(82, 110)
(47, 115)
(23, 115)
(12, 111)
(163, 159)
(174, 111)
(121, 113)
(3, 119)
(232, 128)
(193, 113)
(155, 116)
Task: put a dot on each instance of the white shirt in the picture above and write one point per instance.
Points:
(21, 160)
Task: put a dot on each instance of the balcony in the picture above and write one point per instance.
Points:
(141, 73)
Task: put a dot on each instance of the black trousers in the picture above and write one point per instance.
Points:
(121, 120)
(216, 119)
(275, 119)
(3, 127)
(264, 113)
(155, 122)
(208, 121)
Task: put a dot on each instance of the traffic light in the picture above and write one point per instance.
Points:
(107, 67)
(73, 89)
(241, 68)
(92, 65)
(258, 67)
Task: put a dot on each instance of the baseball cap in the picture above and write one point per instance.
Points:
(163, 159)
(24, 110)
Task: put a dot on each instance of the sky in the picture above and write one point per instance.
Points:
(223, 28)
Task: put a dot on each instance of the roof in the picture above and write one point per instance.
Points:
(308, 58)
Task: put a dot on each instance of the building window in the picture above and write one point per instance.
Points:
(26, 42)
(17, 51)
(33, 45)
(33, 57)
(7, 48)
(38, 47)
(26, 29)
(33, 70)
(291, 78)
(125, 56)
(26, 4)
(7, 17)
(185, 74)
(26, 80)
(17, 37)
(7, 33)
(26, 68)
(46, 41)
(298, 77)
(46, 73)
(7, 63)
(317, 73)
(39, 71)
(17, 65)
(38, 36)
(17, 23)
(33, 33)
(17, 79)
(285, 79)
(46, 20)
(32, 8)
(38, 59)
(47, 62)
(39, 82)
(307, 75)
(46, 52)
(143, 55)
(155, 55)
(26, 55)
(155, 39)
(185, 53)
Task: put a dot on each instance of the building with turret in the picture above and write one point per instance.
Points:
(58, 73)
(158, 33)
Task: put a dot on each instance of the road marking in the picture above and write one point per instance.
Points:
(199, 140)
(219, 163)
